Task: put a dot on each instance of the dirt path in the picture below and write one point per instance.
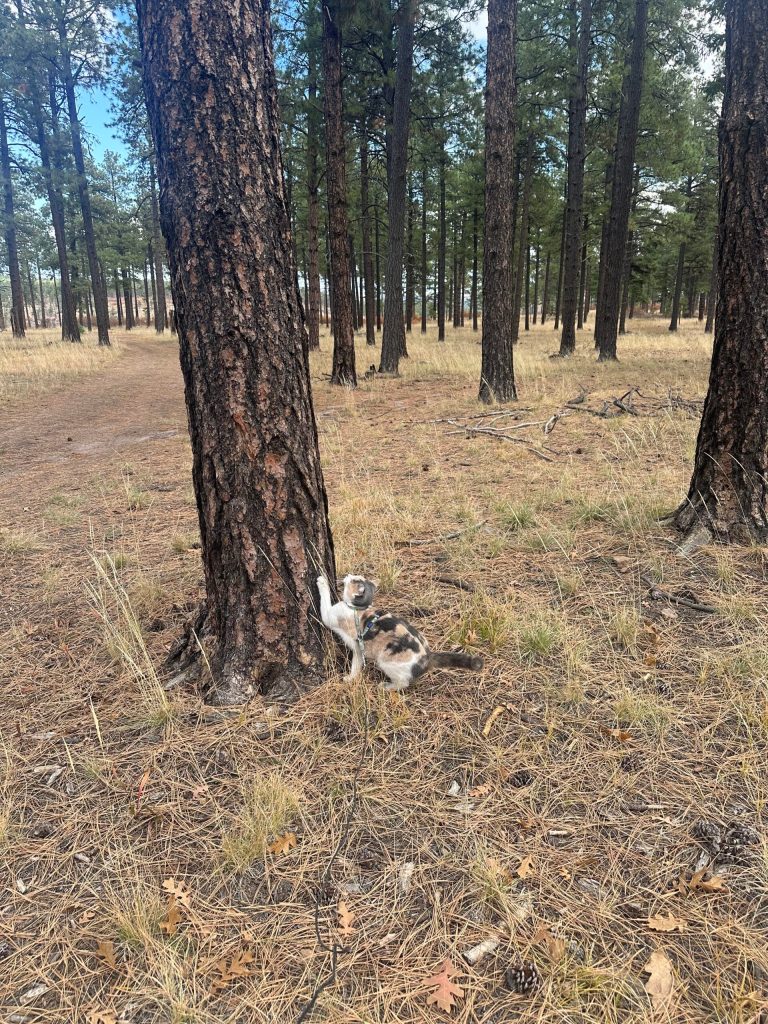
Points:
(137, 400)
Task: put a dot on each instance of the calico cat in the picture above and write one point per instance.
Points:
(394, 646)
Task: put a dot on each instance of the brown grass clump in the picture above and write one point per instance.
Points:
(162, 859)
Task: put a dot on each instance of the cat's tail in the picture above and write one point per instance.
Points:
(455, 659)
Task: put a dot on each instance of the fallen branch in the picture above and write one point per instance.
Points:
(442, 537)
(502, 435)
(657, 594)
(449, 581)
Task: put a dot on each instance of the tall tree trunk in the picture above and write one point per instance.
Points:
(147, 319)
(313, 209)
(152, 283)
(98, 286)
(702, 306)
(560, 267)
(424, 249)
(441, 245)
(581, 312)
(393, 338)
(118, 300)
(522, 248)
(545, 296)
(528, 280)
(473, 299)
(587, 296)
(377, 268)
(497, 376)
(70, 330)
(410, 267)
(9, 231)
(161, 320)
(56, 296)
(43, 318)
(621, 192)
(455, 291)
(244, 352)
(343, 368)
(365, 221)
(678, 289)
(577, 150)
(536, 276)
(31, 294)
(353, 283)
(712, 294)
(728, 495)
(129, 319)
(627, 274)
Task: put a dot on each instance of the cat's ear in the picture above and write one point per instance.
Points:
(370, 591)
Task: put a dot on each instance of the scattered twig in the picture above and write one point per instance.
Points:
(657, 594)
(501, 435)
(440, 538)
(449, 581)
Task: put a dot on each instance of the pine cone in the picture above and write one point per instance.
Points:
(708, 834)
(523, 978)
(734, 848)
(521, 778)
(632, 762)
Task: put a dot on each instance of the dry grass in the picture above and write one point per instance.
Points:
(110, 784)
(41, 361)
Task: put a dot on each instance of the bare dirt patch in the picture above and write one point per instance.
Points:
(559, 805)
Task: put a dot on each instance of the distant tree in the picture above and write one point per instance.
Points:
(497, 377)
(728, 495)
(9, 229)
(260, 494)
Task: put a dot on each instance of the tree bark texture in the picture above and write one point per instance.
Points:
(313, 213)
(393, 338)
(577, 151)
(212, 96)
(728, 495)
(522, 248)
(441, 244)
(497, 375)
(621, 190)
(365, 221)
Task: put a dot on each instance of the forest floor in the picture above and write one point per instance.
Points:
(159, 860)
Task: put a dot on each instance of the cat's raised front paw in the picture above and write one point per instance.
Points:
(322, 583)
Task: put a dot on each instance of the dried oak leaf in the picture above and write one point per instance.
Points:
(616, 734)
(179, 890)
(101, 1017)
(106, 950)
(555, 947)
(525, 867)
(670, 923)
(231, 970)
(482, 790)
(661, 980)
(446, 992)
(346, 919)
(699, 882)
(282, 844)
(171, 923)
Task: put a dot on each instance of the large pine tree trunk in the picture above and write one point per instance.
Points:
(424, 249)
(161, 316)
(678, 288)
(43, 317)
(580, 311)
(343, 368)
(497, 376)
(560, 265)
(365, 221)
(728, 495)
(577, 151)
(441, 245)
(410, 268)
(473, 297)
(545, 296)
(607, 322)
(9, 231)
(313, 212)
(712, 293)
(393, 338)
(98, 286)
(212, 97)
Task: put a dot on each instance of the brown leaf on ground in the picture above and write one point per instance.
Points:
(346, 919)
(666, 924)
(525, 867)
(282, 844)
(179, 890)
(106, 950)
(445, 992)
(701, 881)
(661, 981)
(230, 970)
(554, 946)
(101, 1017)
(170, 925)
(482, 790)
(616, 734)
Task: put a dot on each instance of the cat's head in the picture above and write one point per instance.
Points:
(358, 591)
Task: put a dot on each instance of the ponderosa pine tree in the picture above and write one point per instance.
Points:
(617, 225)
(260, 494)
(497, 376)
(728, 494)
(9, 231)
(393, 335)
(577, 151)
(343, 368)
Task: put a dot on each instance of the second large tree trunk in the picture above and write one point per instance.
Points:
(393, 337)
(577, 151)
(612, 260)
(728, 495)
(497, 375)
(14, 272)
(212, 97)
